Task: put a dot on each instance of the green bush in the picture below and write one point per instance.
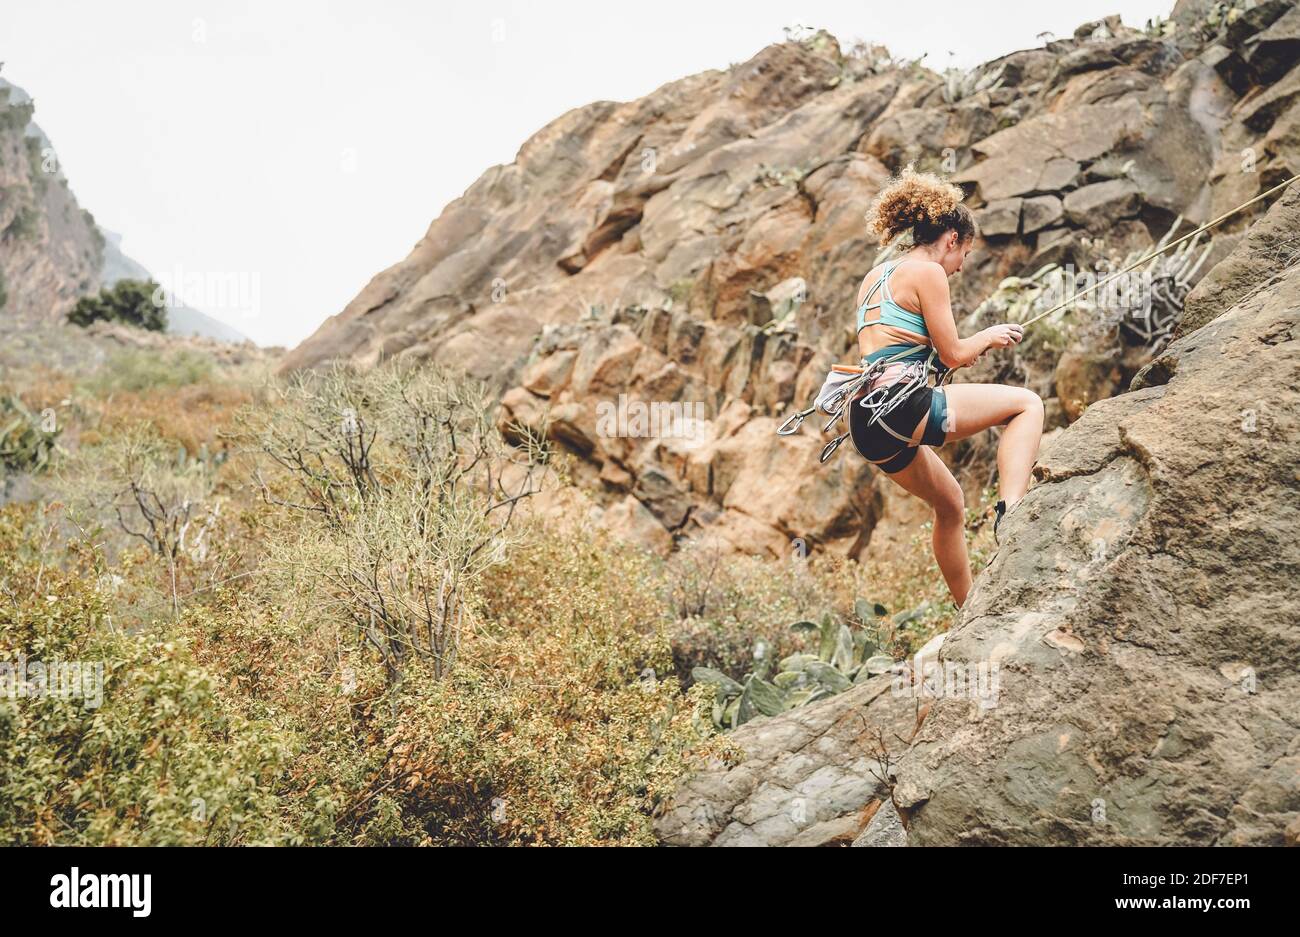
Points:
(247, 700)
(142, 369)
(36, 164)
(129, 301)
(143, 750)
(24, 227)
(15, 116)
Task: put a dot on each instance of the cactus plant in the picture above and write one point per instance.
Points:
(845, 657)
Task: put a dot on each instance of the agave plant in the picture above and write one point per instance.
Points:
(25, 444)
(845, 657)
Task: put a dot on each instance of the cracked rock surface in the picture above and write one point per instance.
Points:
(1143, 618)
(810, 777)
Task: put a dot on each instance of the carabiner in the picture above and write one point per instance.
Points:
(831, 446)
(786, 429)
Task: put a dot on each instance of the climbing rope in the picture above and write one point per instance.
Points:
(1156, 253)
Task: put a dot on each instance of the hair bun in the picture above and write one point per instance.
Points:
(913, 199)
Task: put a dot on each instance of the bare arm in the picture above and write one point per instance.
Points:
(936, 307)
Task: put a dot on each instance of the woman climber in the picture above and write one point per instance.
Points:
(905, 322)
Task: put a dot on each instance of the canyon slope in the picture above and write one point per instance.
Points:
(703, 245)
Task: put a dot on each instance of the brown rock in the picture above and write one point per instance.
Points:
(647, 249)
(1082, 378)
(805, 779)
(1000, 217)
(604, 364)
(1042, 154)
(1113, 605)
(51, 252)
(548, 377)
(1100, 205)
(1275, 50)
(629, 520)
(1040, 212)
(1266, 252)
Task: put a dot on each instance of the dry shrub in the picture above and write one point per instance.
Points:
(149, 752)
(556, 725)
(722, 604)
(398, 493)
(561, 719)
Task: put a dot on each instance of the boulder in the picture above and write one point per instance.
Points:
(1142, 615)
(631, 521)
(884, 829)
(1000, 217)
(805, 778)
(1043, 154)
(1040, 212)
(1274, 50)
(549, 375)
(910, 135)
(1083, 378)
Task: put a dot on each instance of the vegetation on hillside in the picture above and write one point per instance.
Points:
(320, 612)
(131, 302)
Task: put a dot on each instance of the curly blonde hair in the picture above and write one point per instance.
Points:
(922, 203)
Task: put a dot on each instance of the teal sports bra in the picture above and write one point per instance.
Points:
(890, 312)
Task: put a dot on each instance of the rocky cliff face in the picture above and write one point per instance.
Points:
(702, 246)
(51, 252)
(1140, 618)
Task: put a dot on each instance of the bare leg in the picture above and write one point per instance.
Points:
(976, 407)
(929, 479)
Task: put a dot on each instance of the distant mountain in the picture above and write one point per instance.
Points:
(52, 252)
(181, 319)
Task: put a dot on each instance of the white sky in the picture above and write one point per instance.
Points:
(309, 144)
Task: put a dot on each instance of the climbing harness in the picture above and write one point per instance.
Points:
(843, 383)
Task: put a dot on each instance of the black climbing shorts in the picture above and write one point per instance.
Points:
(878, 445)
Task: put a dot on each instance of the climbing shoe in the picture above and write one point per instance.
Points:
(1001, 509)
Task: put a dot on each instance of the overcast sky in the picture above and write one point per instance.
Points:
(306, 145)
